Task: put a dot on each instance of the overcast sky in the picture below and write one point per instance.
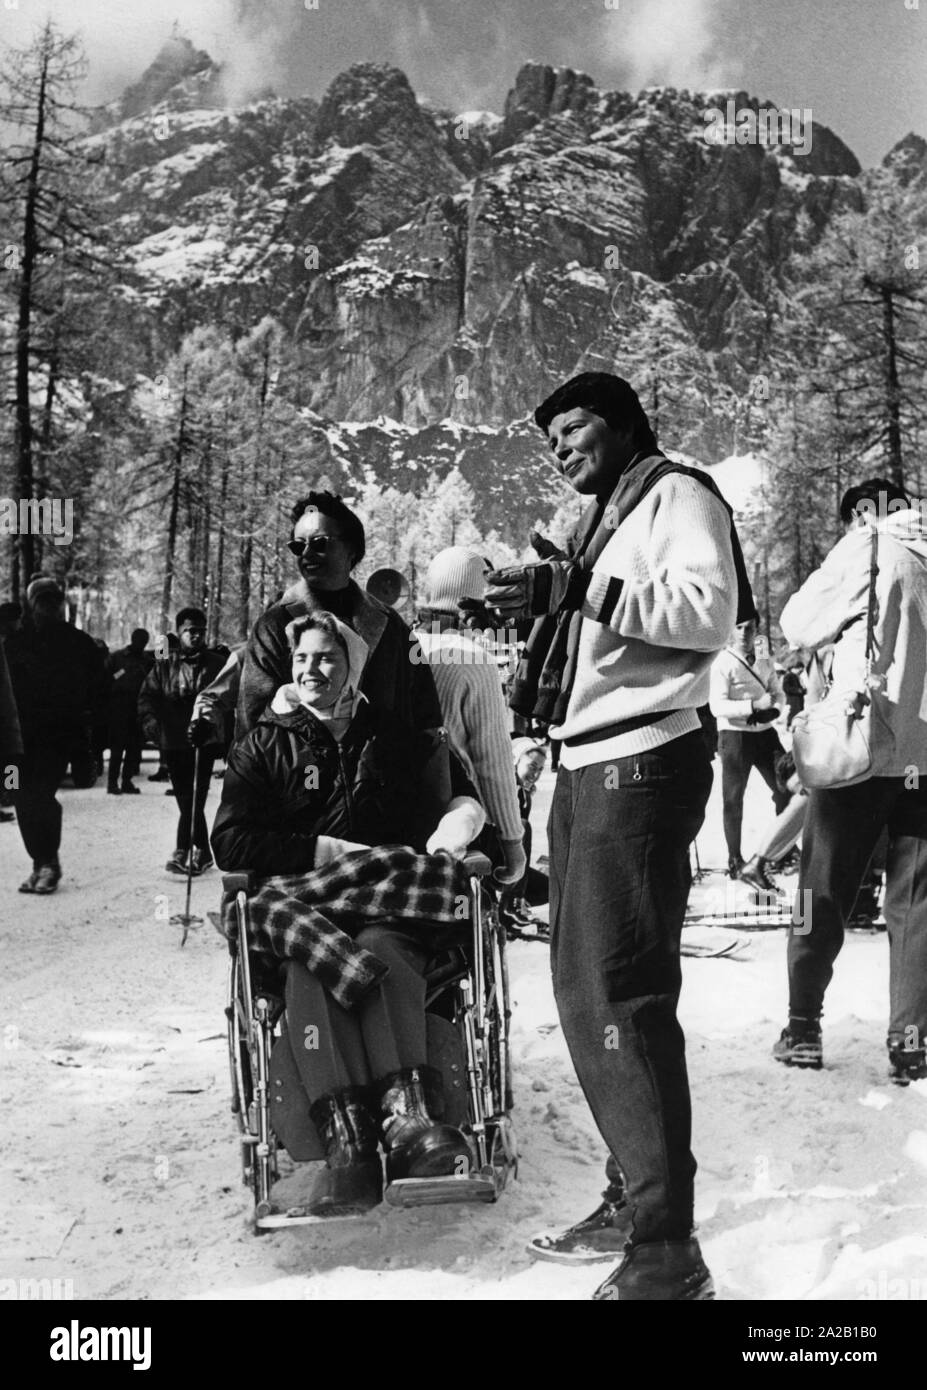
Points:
(860, 65)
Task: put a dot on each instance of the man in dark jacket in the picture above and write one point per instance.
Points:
(10, 618)
(165, 709)
(128, 669)
(328, 542)
(59, 681)
(11, 739)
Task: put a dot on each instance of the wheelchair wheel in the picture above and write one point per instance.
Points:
(498, 1016)
(503, 1153)
(239, 1059)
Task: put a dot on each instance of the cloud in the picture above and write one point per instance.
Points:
(667, 42)
(121, 39)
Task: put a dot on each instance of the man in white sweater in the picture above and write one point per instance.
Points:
(746, 697)
(648, 597)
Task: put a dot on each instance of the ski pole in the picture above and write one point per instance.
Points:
(196, 783)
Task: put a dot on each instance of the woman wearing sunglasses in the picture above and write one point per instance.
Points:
(327, 544)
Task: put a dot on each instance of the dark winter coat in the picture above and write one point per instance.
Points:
(169, 691)
(288, 781)
(128, 669)
(59, 681)
(396, 676)
(11, 739)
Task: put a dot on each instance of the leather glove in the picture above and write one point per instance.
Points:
(763, 716)
(513, 870)
(473, 613)
(531, 591)
(545, 548)
(200, 732)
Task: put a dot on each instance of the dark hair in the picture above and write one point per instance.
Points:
(185, 614)
(348, 522)
(608, 396)
(870, 491)
(139, 637)
(319, 622)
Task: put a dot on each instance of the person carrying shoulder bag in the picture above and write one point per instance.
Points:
(870, 601)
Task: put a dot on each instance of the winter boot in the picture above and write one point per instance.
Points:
(47, 877)
(177, 864)
(352, 1182)
(28, 885)
(416, 1146)
(755, 872)
(800, 1044)
(130, 789)
(905, 1064)
(202, 860)
(668, 1271)
(602, 1235)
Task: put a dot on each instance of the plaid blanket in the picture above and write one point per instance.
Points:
(311, 917)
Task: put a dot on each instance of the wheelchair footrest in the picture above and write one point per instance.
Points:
(484, 1186)
(300, 1216)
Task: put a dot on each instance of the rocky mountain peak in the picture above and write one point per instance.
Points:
(541, 91)
(366, 102)
(179, 72)
(908, 156)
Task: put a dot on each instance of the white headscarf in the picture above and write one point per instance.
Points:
(288, 697)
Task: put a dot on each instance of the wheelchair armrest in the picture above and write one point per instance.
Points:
(237, 883)
(477, 865)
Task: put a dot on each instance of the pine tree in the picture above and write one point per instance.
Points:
(56, 261)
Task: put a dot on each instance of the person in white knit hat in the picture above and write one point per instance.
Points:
(470, 693)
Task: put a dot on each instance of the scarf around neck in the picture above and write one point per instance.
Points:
(544, 678)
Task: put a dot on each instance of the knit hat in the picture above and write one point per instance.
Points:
(454, 574)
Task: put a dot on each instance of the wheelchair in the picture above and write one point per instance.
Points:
(468, 1016)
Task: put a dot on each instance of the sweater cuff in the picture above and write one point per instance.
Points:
(602, 598)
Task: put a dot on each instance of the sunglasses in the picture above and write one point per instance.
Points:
(316, 545)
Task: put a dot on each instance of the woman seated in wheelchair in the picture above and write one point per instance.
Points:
(322, 774)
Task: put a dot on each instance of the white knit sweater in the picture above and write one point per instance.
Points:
(662, 600)
(473, 708)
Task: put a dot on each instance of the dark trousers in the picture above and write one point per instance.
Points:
(533, 886)
(335, 1047)
(38, 810)
(180, 764)
(842, 829)
(125, 753)
(619, 855)
(739, 753)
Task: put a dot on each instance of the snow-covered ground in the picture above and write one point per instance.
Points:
(119, 1161)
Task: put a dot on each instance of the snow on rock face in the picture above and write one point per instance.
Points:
(439, 265)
